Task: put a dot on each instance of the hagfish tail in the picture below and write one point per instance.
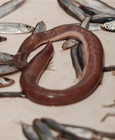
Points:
(92, 72)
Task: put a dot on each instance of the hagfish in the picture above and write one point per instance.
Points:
(10, 6)
(109, 26)
(5, 82)
(97, 5)
(72, 9)
(15, 28)
(92, 72)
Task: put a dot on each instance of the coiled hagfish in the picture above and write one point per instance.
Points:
(32, 71)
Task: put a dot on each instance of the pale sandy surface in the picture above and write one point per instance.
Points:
(86, 113)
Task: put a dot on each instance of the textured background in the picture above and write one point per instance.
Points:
(88, 112)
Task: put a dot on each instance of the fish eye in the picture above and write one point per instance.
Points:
(107, 26)
(27, 26)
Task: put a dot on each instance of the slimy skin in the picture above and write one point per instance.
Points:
(92, 73)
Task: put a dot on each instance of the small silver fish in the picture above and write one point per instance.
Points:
(7, 69)
(78, 132)
(40, 27)
(12, 94)
(6, 58)
(29, 132)
(43, 130)
(102, 18)
(71, 42)
(72, 9)
(10, 6)
(109, 26)
(5, 82)
(15, 28)
(97, 5)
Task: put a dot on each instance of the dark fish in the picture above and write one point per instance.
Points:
(102, 18)
(12, 94)
(88, 10)
(72, 9)
(76, 61)
(97, 5)
(76, 51)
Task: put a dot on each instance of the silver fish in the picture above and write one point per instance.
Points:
(2, 38)
(76, 60)
(29, 132)
(109, 26)
(5, 58)
(72, 9)
(102, 18)
(15, 28)
(40, 27)
(97, 5)
(4, 82)
(43, 130)
(10, 6)
(12, 94)
(69, 43)
(77, 132)
(8, 69)
(88, 10)
(85, 24)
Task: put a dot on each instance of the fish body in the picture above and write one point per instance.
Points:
(12, 94)
(40, 27)
(109, 26)
(13, 28)
(102, 18)
(4, 82)
(43, 130)
(77, 132)
(97, 5)
(29, 132)
(88, 10)
(5, 58)
(72, 9)
(10, 6)
(7, 69)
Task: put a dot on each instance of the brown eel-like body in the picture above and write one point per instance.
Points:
(92, 73)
